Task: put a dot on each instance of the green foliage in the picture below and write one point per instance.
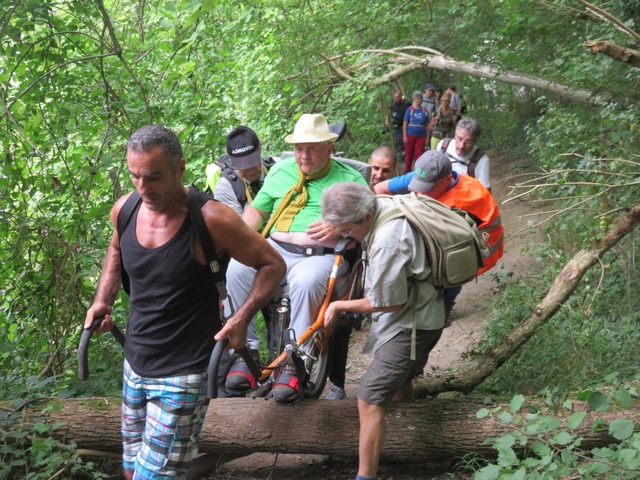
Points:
(594, 330)
(537, 445)
(76, 78)
(37, 456)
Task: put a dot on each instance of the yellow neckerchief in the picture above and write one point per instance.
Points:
(247, 185)
(288, 207)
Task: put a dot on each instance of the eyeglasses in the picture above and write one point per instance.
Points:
(347, 232)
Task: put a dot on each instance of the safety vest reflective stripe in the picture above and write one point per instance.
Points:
(491, 226)
(495, 245)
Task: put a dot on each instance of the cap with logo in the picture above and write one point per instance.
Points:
(243, 148)
(433, 165)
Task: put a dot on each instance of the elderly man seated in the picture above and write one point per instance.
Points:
(290, 199)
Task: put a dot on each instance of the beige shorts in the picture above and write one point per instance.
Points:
(392, 366)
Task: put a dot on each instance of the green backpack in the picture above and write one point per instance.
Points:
(455, 246)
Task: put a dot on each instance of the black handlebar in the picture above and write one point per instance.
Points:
(83, 346)
(212, 369)
(214, 364)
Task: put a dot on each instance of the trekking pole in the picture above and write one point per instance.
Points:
(83, 346)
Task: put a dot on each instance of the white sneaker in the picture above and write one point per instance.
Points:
(336, 393)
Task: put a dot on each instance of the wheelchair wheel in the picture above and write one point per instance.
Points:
(316, 360)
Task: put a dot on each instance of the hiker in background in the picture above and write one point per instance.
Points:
(443, 123)
(465, 156)
(428, 99)
(414, 131)
(434, 177)
(395, 117)
(438, 96)
(455, 99)
(235, 179)
(395, 290)
(464, 106)
(429, 102)
(383, 168)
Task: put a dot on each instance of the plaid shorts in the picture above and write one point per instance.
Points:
(161, 420)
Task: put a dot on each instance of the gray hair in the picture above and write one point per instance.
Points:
(345, 202)
(148, 137)
(384, 151)
(471, 125)
(417, 93)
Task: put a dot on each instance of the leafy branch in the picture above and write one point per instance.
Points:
(117, 50)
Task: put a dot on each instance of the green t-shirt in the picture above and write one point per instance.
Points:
(284, 175)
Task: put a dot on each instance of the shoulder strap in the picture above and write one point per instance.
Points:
(223, 161)
(216, 269)
(239, 188)
(124, 217)
(381, 219)
(445, 144)
(473, 161)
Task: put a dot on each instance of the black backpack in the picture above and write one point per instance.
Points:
(227, 171)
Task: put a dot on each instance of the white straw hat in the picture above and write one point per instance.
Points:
(311, 128)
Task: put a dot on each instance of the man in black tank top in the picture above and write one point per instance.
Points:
(173, 304)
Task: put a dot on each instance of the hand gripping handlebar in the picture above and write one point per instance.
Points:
(83, 346)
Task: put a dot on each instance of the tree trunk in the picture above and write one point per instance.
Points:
(472, 374)
(426, 431)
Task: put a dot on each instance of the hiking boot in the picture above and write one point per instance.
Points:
(336, 393)
(239, 378)
(287, 389)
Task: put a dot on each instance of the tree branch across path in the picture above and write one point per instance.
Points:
(408, 62)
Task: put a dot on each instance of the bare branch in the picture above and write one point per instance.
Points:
(615, 51)
(607, 17)
(441, 62)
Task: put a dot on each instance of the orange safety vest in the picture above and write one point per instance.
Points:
(470, 195)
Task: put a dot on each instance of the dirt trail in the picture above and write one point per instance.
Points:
(468, 314)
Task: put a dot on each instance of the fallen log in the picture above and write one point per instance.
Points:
(429, 431)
